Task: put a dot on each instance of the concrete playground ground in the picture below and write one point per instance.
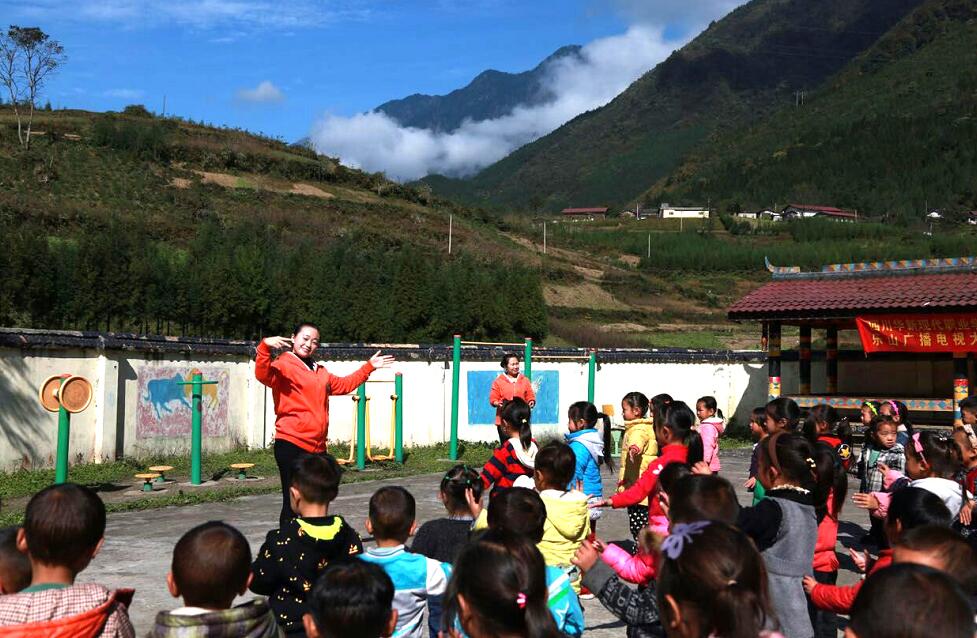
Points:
(139, 545)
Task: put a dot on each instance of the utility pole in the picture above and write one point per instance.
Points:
(544, 236)
(164, 106)
(649, 245)
(451, 219)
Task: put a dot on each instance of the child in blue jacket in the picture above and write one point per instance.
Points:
(588, 446)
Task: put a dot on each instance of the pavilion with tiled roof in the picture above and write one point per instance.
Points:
(904, 311)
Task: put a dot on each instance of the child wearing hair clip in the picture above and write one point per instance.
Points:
(899, 413)
(880, 452)
(517, 456)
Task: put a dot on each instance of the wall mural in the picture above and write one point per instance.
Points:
(164, 407)
(546, 383)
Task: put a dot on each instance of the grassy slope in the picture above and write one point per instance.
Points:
(892, 133)
(737, 69)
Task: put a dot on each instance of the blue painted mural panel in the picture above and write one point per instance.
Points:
(545, 382)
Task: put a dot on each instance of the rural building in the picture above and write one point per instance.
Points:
(915, 320)
(766, 214)
(584, 214)
(805, 211)
(972, 217)
(682, 212)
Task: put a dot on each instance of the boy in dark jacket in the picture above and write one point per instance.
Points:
(211, 566)
(293, 556)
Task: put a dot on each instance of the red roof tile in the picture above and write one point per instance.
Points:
(583, 211)
(827, 210)
(849, 296)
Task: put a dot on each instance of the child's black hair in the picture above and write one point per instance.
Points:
(969, 404)
(660, 403)
(792, 455)
(352, 598)
(671, 474)
(211, 565)
(316, 477)
(517, 414)
(505, 359)
(784, 409)
(759, 414)
(915, 507)
(392, 512)
(588, 413)
(520, 511)
(832, 478)
(911, 601)
(455, 483)
(719, 581)
(680, 419)
(955, 554)
(557, 463)
(903, 411)
(940, 451)
(697, 497)
(502, 578)
(637, 401)
(15, 567)
(872, 430)
(710, 404)
(64, 524)
(824, 413)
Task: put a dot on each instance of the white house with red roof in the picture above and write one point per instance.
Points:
(807, 211)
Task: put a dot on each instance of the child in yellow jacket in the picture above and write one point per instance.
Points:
(638, 449)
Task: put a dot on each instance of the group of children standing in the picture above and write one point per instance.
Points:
(517, 564)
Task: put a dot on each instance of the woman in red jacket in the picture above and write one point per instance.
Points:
(508, 386)
(301, 388)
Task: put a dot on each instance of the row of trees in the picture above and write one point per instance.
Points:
(249, 281)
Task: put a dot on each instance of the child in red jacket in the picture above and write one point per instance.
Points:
(517, 456)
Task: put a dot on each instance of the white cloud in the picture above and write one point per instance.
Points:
(662, 13)
(125, 94)
(201, 14)
(605, 67)
(264, 93)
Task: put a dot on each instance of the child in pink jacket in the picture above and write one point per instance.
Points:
(711, 427)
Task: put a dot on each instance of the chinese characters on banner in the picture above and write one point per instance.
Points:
(918, 333)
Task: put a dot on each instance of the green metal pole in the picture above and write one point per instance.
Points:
(195, 432)
(399, 418)
(527, 365)
(64, 431)
(361, 428)
(455, 388)
(591, 375)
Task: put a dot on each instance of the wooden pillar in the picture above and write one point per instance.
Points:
(961, 385)
(831, 360)
(773, 360)
(804, 361)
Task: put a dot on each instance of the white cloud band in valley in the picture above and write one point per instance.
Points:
(605, 67)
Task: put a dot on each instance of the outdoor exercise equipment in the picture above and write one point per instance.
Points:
(147, 480)
(242, 470)
(359, 445)
(161, 470)
(65, 394)
(591, 359)
(197, 386)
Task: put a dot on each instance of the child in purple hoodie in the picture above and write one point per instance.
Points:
(711, 427)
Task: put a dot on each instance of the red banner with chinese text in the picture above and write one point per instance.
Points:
(918, 333)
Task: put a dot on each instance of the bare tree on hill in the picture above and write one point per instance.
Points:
(27, 57)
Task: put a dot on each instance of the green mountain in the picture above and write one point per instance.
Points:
(894, 133)
(490, 95)
(758, 58)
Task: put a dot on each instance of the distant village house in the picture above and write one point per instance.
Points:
(682, 212)
(761, 215)
(584, 214)
(804, 211)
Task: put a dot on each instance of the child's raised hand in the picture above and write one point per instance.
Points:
(604, 502)
(702, 468)
(883, 468)
(633, 453)
(859, 558)
(750, 483)
(586, 557)
(865, 501)
(474, 505)
(809, 584)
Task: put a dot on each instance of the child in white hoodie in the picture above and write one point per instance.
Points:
(711, 427)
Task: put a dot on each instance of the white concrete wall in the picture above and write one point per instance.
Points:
(122, 421)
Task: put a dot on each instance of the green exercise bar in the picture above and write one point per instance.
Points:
(361, 428)
(399, 418)
(591, 375)
(527, 360)
(197, 383)
(64, 432)
(455, 382)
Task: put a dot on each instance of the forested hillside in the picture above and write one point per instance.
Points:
(895, 133)
(128, 222)
(742, 68)
(490, 95)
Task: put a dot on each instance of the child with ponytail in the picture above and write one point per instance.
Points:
(784, 525)
(516, 457)
(710, 428)
(588, 447)
(713, 583)
(898, 412)
(822, 424)
(831, 473)
(498, 588)
(638, 449)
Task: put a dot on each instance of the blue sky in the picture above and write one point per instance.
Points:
(278, 67)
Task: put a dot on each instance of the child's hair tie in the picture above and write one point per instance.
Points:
(525, 421)
(731, 582)
(681, 534)
(894, 406)
(521, 600)
(918, 447)
(811, 462)
(871, 407)
(969, 430)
